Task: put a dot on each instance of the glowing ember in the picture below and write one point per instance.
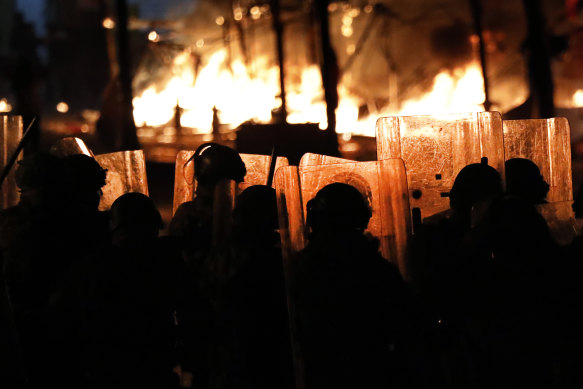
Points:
(578, 98)
(108, 23)
(153, 36)
(4, 106)
(63, 107)
(240, 97)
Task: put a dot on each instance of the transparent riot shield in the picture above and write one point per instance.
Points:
(70, 146)
(547, 143)
(10, 136)
(126, 172)
(382, 183)
(310, 159)
(561, 220)
(436, 147)
(290, 211)
(183, 179)
(257, 166)
(184, 185)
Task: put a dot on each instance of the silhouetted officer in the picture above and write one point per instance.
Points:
(192, 222)
(446, 267)
(352, 306)
(192, 225)
(524, 180)
(512, 296)
(255, 306)
(136, 303)
(52, 230)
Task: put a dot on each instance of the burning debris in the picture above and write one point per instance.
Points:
(238, 74)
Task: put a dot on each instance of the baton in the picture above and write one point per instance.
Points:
(17, 151)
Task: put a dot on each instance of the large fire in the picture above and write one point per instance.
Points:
(240, 97)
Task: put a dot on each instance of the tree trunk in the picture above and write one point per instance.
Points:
(538, 61)
(127, 139)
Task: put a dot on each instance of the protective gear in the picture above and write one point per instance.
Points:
(69, 146)
(474, 183)
(126, 172)
(547, 143)
(436, 147)
(311, 159)
(523, 179)
(214, 162)
(84, 178)
(134, 209)
(256, 167)
(376, 200)
(339, 259)
(257, 204)
(338, 207)
(84, 173)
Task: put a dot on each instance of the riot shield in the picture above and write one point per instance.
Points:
(126, 172)
(183, 179)
(547, 143)
(257, 166)
(561, 221)
(10, 136)
(310, 159)
(184, 184)
(70, 146)
(382, 183)
(436, 147)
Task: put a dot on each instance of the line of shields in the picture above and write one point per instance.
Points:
(418, 158)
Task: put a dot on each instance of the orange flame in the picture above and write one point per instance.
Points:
(240, 97)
